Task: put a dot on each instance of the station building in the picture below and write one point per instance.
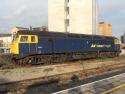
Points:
(5, 42)
(123, 44)
(72, 16)
(105, 29)
(16, 29)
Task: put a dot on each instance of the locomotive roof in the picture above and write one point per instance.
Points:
(59, 34)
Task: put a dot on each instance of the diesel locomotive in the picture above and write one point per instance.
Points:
(36, 47)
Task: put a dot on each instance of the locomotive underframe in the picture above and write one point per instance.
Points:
(63, 57)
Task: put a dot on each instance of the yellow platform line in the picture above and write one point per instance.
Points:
(113, 89)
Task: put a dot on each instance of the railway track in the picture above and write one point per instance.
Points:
(60, 78)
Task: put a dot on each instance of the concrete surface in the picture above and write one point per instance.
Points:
(112, 85)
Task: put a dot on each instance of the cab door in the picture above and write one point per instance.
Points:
(33, 44)
(117, 44)
(24, 45)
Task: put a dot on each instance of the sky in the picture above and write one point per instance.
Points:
(34, 13)
(113, 11)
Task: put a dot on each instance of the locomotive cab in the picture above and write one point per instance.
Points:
(117, 45)
(22, 44)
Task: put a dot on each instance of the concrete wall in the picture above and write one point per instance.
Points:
(56, 15)
(80, 16)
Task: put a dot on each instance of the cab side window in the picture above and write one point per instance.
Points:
(24, 39)
(33, 39)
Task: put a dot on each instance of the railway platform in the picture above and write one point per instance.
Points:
(111, 85)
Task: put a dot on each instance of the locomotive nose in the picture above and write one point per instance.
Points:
(14, 48)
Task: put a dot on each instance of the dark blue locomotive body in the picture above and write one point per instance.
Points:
(69, 45)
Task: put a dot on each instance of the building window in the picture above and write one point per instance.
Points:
(67, 10)
(67, 22)
(67, 1)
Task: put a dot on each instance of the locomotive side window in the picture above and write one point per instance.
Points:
(15, 38)
(24, 39)
(32, 38)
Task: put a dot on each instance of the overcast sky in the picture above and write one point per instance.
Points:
(34, 13)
